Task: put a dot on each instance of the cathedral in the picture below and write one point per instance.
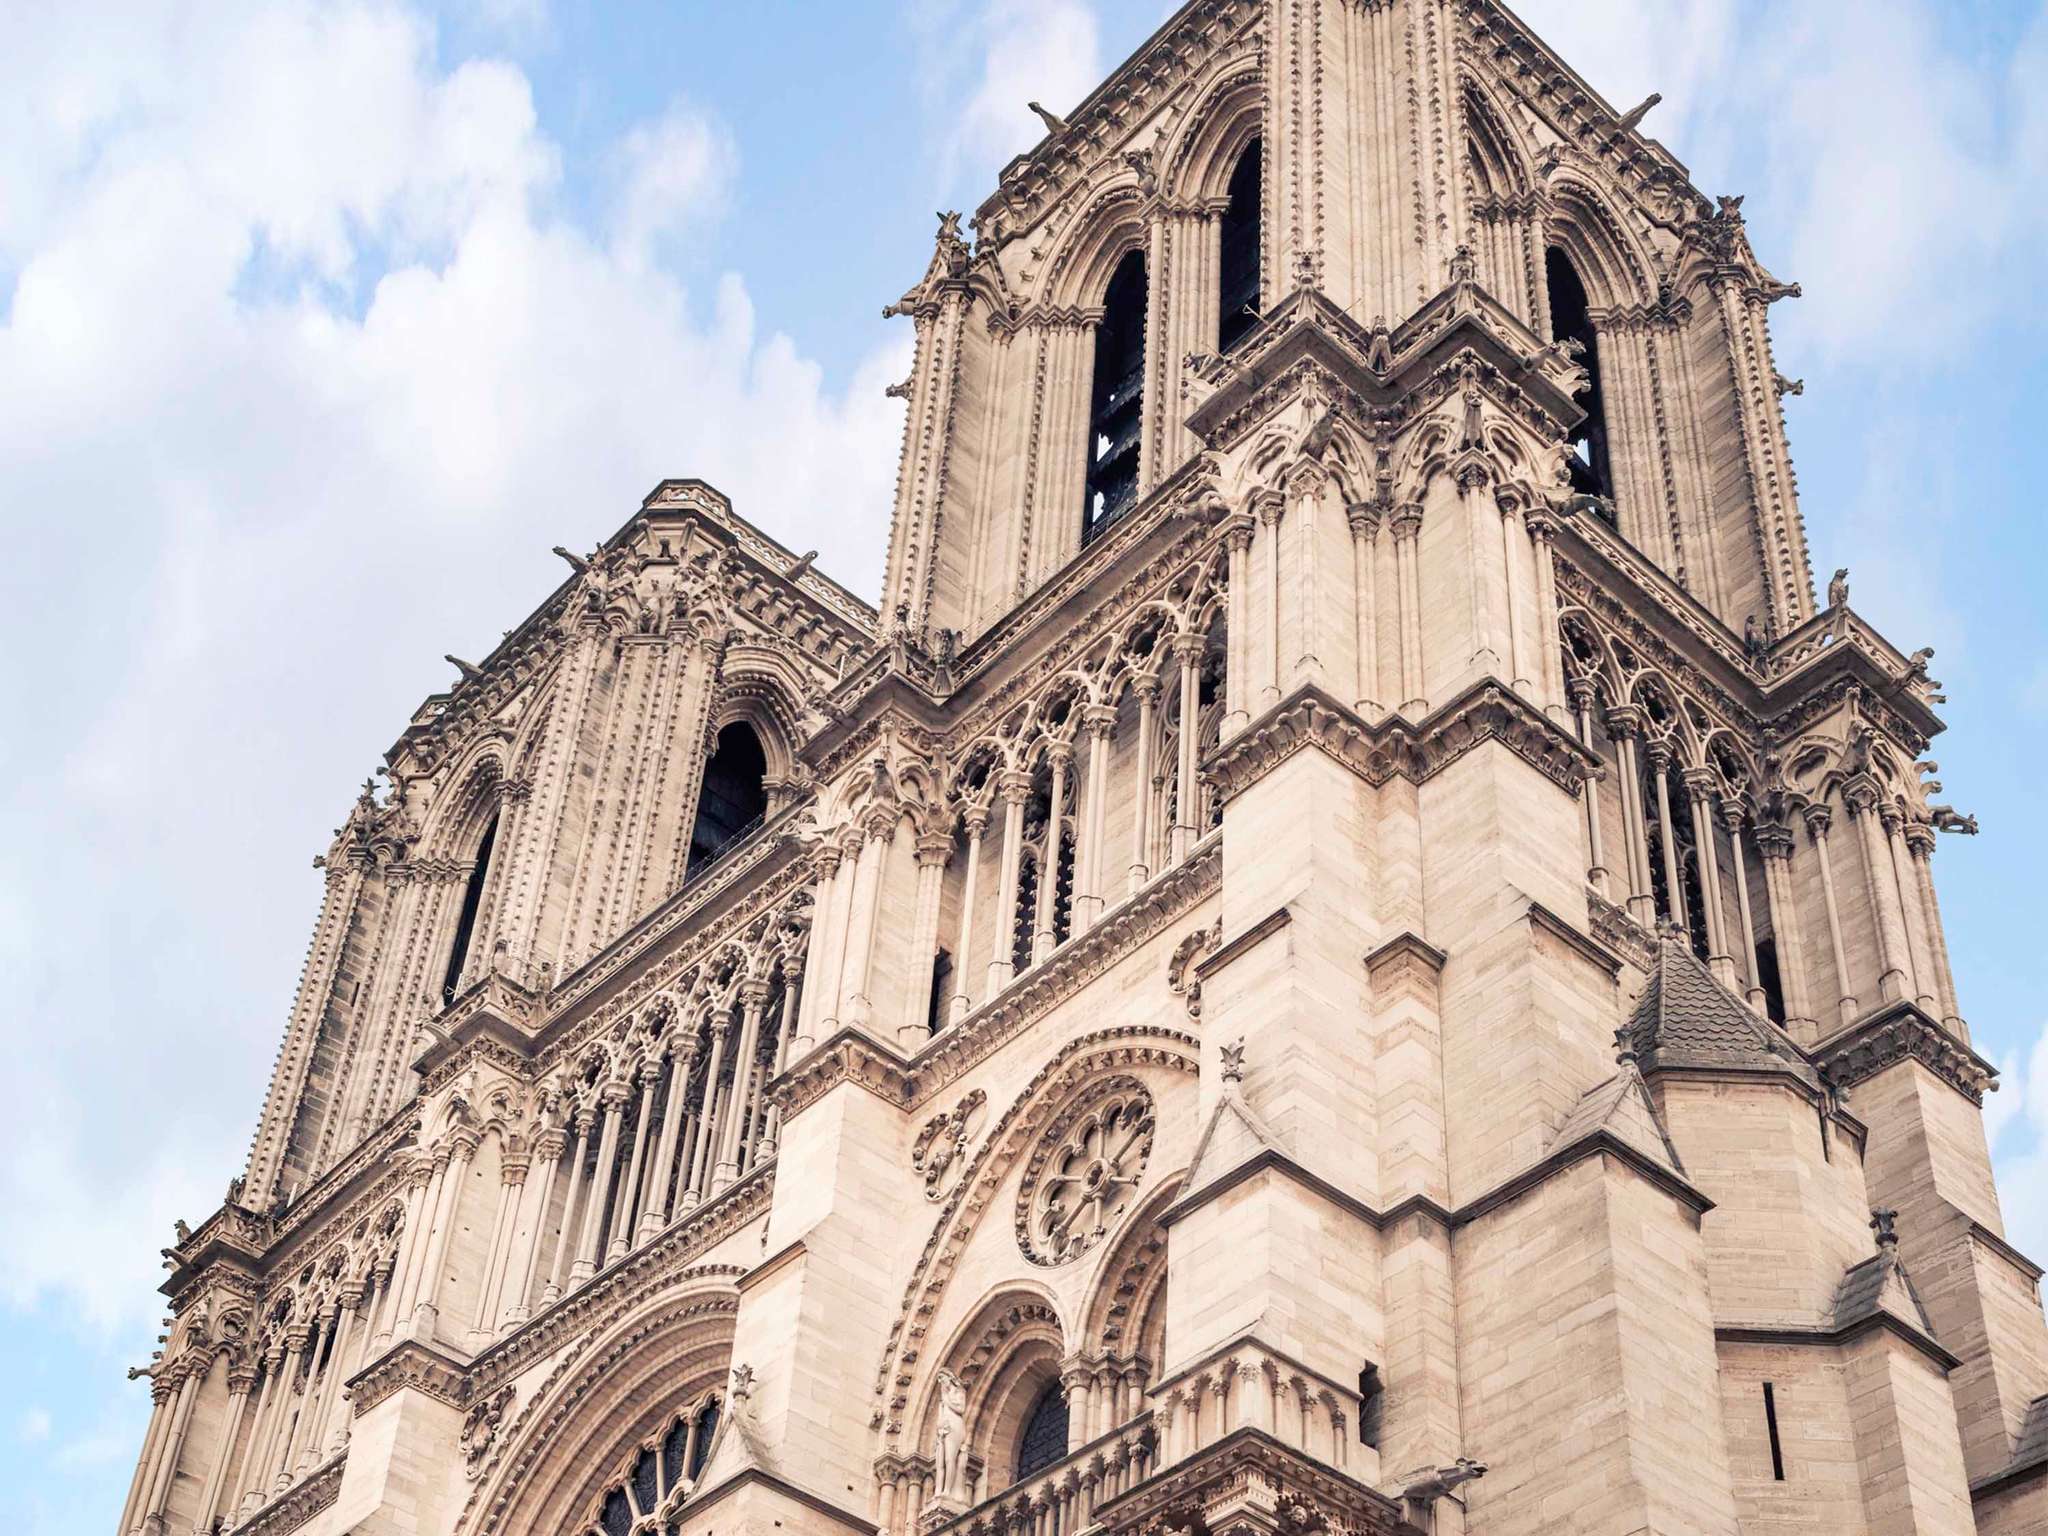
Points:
(1350, 949)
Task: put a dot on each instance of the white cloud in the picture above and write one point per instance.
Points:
(300, 377)
(33, 1427)
(1001, 55)
(2016, 1125)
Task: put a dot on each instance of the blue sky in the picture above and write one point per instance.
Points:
(319, 325)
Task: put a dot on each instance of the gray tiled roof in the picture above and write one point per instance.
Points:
(1685, 1017)
(1861, 1293)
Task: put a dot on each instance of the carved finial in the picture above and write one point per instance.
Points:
(1625, 1046)
(1884, 1223)
(1233, 1063)
(1464, 267)
(742, 1386)
(1054, 123)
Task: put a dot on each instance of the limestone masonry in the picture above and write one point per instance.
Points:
(1350, 951)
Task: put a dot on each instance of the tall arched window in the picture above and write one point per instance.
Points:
(472, 901)
(1116, 410)
(1238, 311)
(1044, 1437)
(734, 797)
(1569, 319)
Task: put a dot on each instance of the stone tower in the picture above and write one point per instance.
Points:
(1349, 951)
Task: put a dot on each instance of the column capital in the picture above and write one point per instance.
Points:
(1658, 750)
(1581, 692)
(1237, 531)
(614, 1094)
(1098, 719)
(1860, 795)
(1625, 721)
(1891, 817)
(1059, 753)
(1188, 648)
(1145, 685)
(754, 992)
(1364, 518)
(1266, 505)
(1732, 815)
(1407, 520)
(974, 817)
(1818, 819)
(1015, 786)
(1920, 839)
(1701, 784)
(825, 858)
(934, 848)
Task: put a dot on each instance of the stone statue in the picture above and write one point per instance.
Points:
(1947, 818)
(950, 1450)
(1838, 589)
(1753, 645)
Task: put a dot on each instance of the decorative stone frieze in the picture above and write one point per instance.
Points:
(1901, 1032)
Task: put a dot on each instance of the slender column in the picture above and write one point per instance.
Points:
(1818, 818)
(1237, 536)
(1550, 659)
(1187, 649)
(1699, 788)
(1894, 981)
(1920, 843)
(1097, 721)
(792, 977)
(822, 900)
(613, 1098)
(975, 819)
(277, 1469)
(753, 994)
(708, 1115)
(420, 1246)
(427, 1313)
(880, 831)
(522, 1261)
(1308, 506)
(504, 1230)
(319, 1408)
(173, 1446)
(1774, 846)
(661, 1171)
(357, 1337)
(624, 1209)
(1407, 541)
(1045, 910)
(934, 851)
(1473, 491)
(1147, 689)
(249, 1476)
(1905, 889)
(1582, 709)
(1624, 722)
(145, 1465)
(1365, 547)
(1511, 542)
(411, 1240)
(829, 1006)
(241, 1377)
(1268, 506)
(1016, 788)
(565, 1236)
(1659, 752)
(1731, 818)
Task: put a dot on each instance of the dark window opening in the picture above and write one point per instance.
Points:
(472, 902)
(1587, 461)
(734, 797)
(1238, 316)
(1371, 1396)
(1044, 1440)
(1027, 911)
(1769, 980)
(1116, 411)
(707, 1431)
(942, 987)
(1771, 1423)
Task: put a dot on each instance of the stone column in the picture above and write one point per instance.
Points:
(431, 1170)
(831, 1005)
(1364, 521)
(1894, 981)
(975, 819)
(427, 1313)
(241, 1377)
(1774, 846)
(277, 1462)
(1731, 818)
(1237, 537)
(319, 1409)
(1097, 720)
(512, 1168)
(1624, 725)
(1187, 650)
(753, 994)
(661, 1171)
(934, 852)
(1147, 689)
(169, 1450)
(1549, 656)
(708, 1115)
(138, 1484)
(879, 829)
(1511, 542)
(357, 1337)
(1659, 751)
(613, 1099)
(250, 1476)
(792, 978)
(1582, 708)
(565, 1238)
(1407, 525)
(1920, 844)
(1045, 910)
(1699, 788)
(1818, 819)
(1268, 505)
(827, 860)
(1906, 889)
(1016, 789)
(624, 1208)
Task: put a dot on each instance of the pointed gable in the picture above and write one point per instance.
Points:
(1687, 1018)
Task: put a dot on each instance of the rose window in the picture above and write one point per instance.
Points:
(1085, 1173)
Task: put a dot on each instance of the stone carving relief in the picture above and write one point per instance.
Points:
(940, 1152)
(480, 1427)
(1085, 1172)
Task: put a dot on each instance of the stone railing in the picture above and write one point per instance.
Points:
(1248, 1386)
(1062, 1499)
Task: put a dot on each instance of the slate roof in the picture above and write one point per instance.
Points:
(1880, 1285)
(2033, 1442)
(1686, 1018)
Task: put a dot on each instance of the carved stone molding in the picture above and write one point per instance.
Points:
(941, 1148)
(848, 1057)
(1901, 1032)
(298, 1504)
(1311, 718)
(409, 1366)
(1250, 1484)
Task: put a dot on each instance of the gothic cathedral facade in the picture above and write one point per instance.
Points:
(1350, 949)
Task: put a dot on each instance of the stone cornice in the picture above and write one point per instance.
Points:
(1321, 1497)
(1584, 945)
(847, 1057)
(1405, 951)
(1784, 1334)
(297, 1504)
(409, 1366)
(959, 1047)
(1900, 1032)
(1488, 711)
(1239, 943)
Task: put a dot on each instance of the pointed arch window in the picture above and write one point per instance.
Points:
(1570, 319)
(1116, 410)
(734, 797)
(472, 903)
(1238, 305)
(1044, 1438)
